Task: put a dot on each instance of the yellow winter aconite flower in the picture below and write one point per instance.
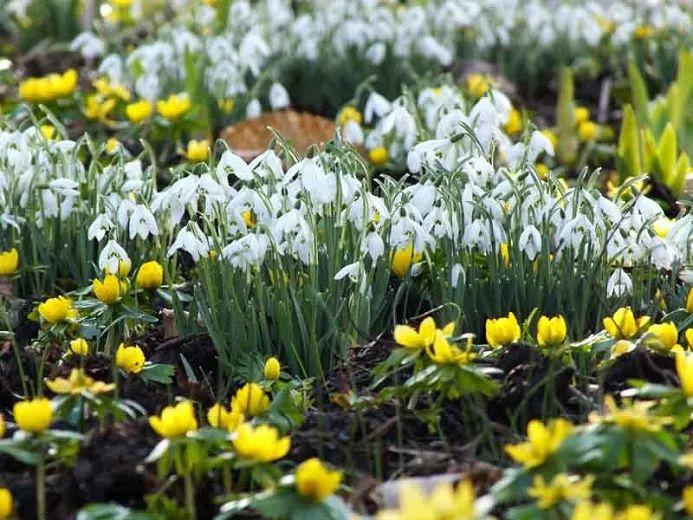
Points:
(444, 503)
(551, 331)
(478, 84)
(250, 400)
(2, 426)
(349, 113)
(6, 503)
(622, 346)
(642, 32)
(378, 155)
(197, 151)
(409, 337)
(175, 106)
(662, 226)
(561, 488)
(77, 383)
(623, 324)
(33, 416)
(684, 369)
(56, 310)
(667, 334)
(582, 114)
(220, 417)
(79, 347)
(175, 421)
(9, 262)
(130, 358)
(107, 291)
(542, 171)
(551, 136)
(514, 123)
(47, 131)
(502, 331)
(248, 219)
(542, 441)
(48, 88)
(443, 353)
(261, 443)
(637, 512)
(689, 337)
(138, 111)
(632, 415)
(588, 131)
(688, 499)
(150, 275)
(315, 481)
(588, 511)
(403, 259)
(115, 90)
(98, 108)
(272, 369)
(689, 301)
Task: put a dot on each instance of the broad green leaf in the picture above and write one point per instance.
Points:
(639, 94)
(666, 153)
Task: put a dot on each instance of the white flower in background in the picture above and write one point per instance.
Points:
(97, 230)
(248, 251)
(530, 242)
(253, 109)
(191, 240)
(111, 256)
(456, 273)
(351, 270)
(619, 284)
(232, 164)
(373, 246)
(278, 97)
(375, 54)
(353, 133)
(376, 107)
(89, 45)
(142, 223)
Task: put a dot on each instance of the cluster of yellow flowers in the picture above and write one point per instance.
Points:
(433, 341)
(49, 88)
(149, 276)
(445, 502)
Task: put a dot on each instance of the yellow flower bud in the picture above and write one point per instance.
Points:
(2, 427)
(272, 369)
(150, 275)
(261, 443)
(197, 151)
(175, 421)
(79, 347)
(6, 503)
(9, 262)
(107, 291)
(478, 84)
(514, 123)
(582, 114)
(55, 310)
(502, 331)
(623, 325)
(378, 155)
(130, 358)
(219, 417)
(689, 301)
(33, 416)
(175, 106)
(551, 331)
(403, 259)
(666, 333)
(588, 131)
(138, 111)
(250, 400)
(315, 481)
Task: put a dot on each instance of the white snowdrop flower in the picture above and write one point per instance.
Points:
(662, 254)
(125, 209)
(232, 164)
(479, 170)
(575, 232)
(253, 109)
(278, 97)
(97, 230)
(191, 240)
(403, 124)
(89, 45)
(432, 48)
(374, 246)
(422, 153)
(530, 242)
(350, 270)
(64, 187)
(247, 251)
(376, 106)
(619, 284)
(111, 256)
(353, 133)
(49, 205)
(502, 104)
(142, 223)
(539, 143)
(375, 54)
(456, 273)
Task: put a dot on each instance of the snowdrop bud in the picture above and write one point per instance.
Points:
(254, 109)
(278, 97)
